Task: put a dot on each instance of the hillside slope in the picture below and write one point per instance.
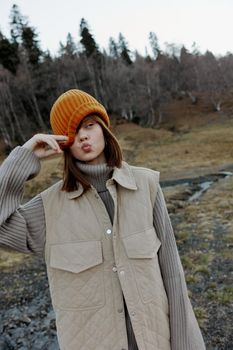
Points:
(176, 154)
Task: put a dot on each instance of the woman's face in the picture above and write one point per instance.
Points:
(89, 143)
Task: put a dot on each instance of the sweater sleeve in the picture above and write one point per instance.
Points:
(22, 227)
(185, 332)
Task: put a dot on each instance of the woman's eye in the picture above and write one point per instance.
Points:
(89, 125)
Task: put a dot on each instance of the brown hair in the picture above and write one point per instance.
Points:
(72, 174)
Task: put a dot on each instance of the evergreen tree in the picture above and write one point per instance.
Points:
(154, 44)
(47, 56)
(70, 48)
(8, 54)
(17, 21)
(124, 50)
(31, 44)
(87, 40)
(25, 36)
(113, 48)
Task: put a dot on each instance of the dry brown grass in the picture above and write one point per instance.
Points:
(11, 259)
(181, 154)
(51, 171)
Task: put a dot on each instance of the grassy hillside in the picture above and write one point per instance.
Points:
(176, 154)
(180, 153)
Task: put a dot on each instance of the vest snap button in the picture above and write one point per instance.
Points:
(109, 231)
(114, 269)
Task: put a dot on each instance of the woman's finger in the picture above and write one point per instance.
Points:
(40, 144)
(42, 139)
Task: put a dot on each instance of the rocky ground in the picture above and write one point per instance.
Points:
(204, 233)
(26, 318)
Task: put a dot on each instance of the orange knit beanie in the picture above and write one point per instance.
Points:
(70, 109)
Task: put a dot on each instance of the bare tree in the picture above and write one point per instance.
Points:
(211, 79)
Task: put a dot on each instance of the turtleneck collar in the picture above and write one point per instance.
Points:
(97, 174)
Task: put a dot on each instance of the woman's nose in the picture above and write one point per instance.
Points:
(83, 136)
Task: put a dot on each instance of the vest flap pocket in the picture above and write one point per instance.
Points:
(76, 257)
(142, 245)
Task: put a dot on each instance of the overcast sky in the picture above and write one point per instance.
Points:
(209, 23)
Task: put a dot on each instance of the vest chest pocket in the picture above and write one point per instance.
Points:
(75, 272)
(142, 251)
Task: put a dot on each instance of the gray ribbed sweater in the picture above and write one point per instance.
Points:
(22, 227)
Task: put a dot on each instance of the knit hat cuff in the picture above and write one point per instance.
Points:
(82, 112)
(70, 109)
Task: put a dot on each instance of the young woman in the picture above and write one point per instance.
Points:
(114, 272)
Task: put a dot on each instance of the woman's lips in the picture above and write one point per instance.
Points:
(86, 147)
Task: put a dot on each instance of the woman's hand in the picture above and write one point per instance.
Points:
(45, 145)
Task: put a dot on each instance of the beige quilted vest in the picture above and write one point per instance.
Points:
(90, 262)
